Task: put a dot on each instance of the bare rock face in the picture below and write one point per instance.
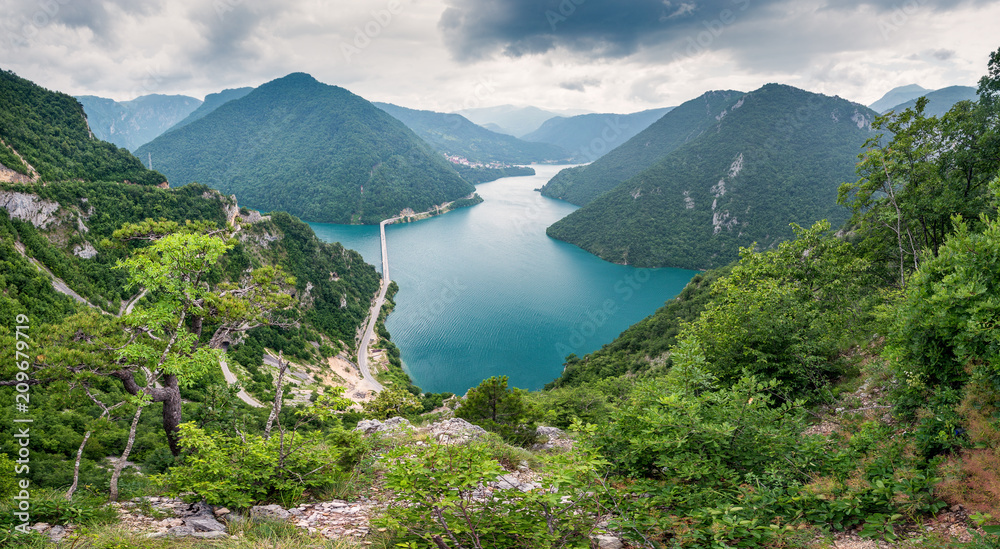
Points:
(455, 430)
(85, 251)
(29, 207)
(370, 426)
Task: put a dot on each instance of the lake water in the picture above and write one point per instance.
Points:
(484, 292)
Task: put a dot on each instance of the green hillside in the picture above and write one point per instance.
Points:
(590, 136)
(776, 158)
(582, 184)
(49, 132)
(317, 151)
(454, 134)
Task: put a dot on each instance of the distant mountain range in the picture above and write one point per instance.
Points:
(582, 184)
(130, 124)
(509, 119)
(898, 95)
(212, 101)
(769, 158)
(589, 136)
(456, 135)
(317, 151)
(940, 101)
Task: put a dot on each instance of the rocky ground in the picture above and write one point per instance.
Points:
(164, 517)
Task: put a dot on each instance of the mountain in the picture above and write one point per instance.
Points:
(590, 136)
(317, 151)
(453, 134)
(212, 101)
(582, 184)
(516, 121)
(896, 96)
(940, 101)
(130, 124)
(44, 136)
(776, 158)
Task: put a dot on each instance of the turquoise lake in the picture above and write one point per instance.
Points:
(484, 292)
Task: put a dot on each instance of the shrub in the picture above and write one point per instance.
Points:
(447, 503)
(494, 407)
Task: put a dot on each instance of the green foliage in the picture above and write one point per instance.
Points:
(498, 409)
(8, 482)
(776, 160)
(316, 151)
(224, 470)
(442, 487)
(947, 322)
(784, 314)
(392, 402)
(49, 130)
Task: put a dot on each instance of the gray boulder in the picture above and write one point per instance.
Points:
(203, 523)
(455, 430)
(269, 512)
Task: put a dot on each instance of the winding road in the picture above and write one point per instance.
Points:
(369, 335)
(231, 379)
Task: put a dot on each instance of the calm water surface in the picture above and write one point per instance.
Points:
(484, 292)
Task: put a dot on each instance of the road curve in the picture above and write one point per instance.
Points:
(369, 335)
(231, 379)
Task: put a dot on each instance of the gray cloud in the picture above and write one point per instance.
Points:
(579, 85)
(475, 29)
(942, 54)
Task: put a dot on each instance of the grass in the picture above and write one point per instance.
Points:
(249, 535)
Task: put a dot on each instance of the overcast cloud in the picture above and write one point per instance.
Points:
(600, 55)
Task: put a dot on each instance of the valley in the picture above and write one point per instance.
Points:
(757, 319)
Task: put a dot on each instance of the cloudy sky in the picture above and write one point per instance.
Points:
(597, 55)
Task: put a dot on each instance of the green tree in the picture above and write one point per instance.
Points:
(948, 321)
(929, 170)
(392, 402)
(784, 314)
(494, 407)
(163, 350)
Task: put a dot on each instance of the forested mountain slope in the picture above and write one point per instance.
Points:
(582, 184)
(316, 151)
(44, 136)
(777, 157)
